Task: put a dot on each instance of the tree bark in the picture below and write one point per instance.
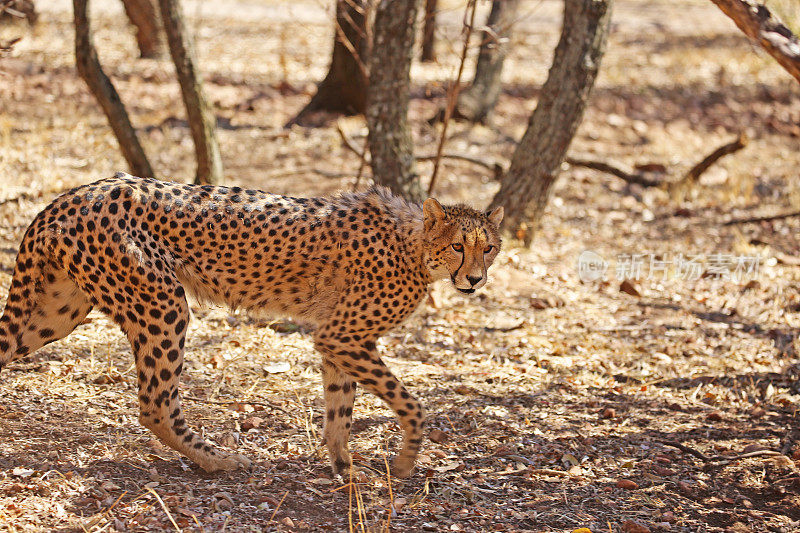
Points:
(103, 90)
(143, 16)
(756, 21)
(476, 102)
(429, 31)
(535, 165)
(344, 89)
(389, 136)
(202, 122)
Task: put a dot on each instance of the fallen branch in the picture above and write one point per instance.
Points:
(719, 459)
(549, 472)
(6, 46)
(630, 176)
(696, 171)
(640, 178)
(510, 472)
(767, 218)
(505, 329)
(687, 449)
(778, 254)
(608, 168)
(756, 21)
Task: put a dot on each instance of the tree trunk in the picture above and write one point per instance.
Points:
(103, 90)
(143, 16)
(526, 186)
(389, 136)
(201, 120)
(756, 21)
(344, 89)
(429, 31)
(477, 102)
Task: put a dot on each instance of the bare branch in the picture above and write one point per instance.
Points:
(756, 21)
(495, 166)
(452, 93)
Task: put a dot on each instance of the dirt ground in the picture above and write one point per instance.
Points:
(555, 404)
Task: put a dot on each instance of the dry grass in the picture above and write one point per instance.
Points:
(547, 391)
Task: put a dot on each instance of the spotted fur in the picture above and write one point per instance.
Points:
(353, 266)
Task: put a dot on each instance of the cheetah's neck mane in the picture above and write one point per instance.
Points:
(408, 218)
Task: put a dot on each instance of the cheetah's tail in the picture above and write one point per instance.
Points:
(25, 282)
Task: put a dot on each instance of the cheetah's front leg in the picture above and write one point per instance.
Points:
(361, 362)
(339, 391)
(159, 361)
(157, 338)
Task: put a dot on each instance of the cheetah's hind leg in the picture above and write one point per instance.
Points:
(43, 306)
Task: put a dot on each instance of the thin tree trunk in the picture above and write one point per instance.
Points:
(429, 31)
(756, 21)
(535, 165)
(476, 102)
(344, 89)
(103, 90)
(387, 109)
(142, 14)
(201, 120)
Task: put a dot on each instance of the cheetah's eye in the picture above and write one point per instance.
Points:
(458, 247)
(488, 249)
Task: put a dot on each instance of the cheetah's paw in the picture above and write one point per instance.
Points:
(227, 463)
(402, 467)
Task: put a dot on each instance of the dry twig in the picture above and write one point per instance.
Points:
(8, 45)
(767, 218)
(166, 509)
(452, 93)
(494, 166)
(719, 459)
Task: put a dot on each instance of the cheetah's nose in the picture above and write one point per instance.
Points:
(474, 280)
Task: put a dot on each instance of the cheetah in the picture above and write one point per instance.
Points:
(351, 266)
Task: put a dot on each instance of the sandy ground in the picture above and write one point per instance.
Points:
(558, 404)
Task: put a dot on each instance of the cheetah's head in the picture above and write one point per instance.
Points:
(460, 242)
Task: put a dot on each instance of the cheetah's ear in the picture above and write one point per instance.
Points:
(496, 216)
(432, 212)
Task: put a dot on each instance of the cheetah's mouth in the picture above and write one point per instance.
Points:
(459, 289)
